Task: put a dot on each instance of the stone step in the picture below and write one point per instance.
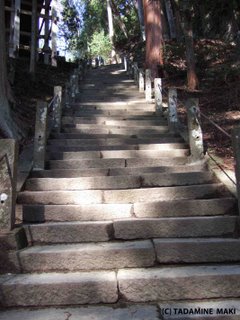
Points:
(115, 120)
(74, 173)
(87, 212)
(121, 196)
(110, 127)
(116, 130)
(110, 122)
(125, 113)
(130, 229)
(181, 208)
(115, 163)
(122, 117)
(158, 209)
(156, 146)
(56, 289)
(202, 250)
(86, 257)
(69, 232)
(119, 154)
(179, 283)
(103, 140)
(110, 106)
(182, 227)
(119, 182)
(115, 312)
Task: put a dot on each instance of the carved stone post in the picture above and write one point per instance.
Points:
(236, 149)
(158, 95)
(125, 62)
(172, 110)
(40, 136)
(57, 109)
(129, 66)
(141, 80)
(148, 82)
(67, 95)
(8, 183)
(135, 71)
(195, 130)
(14, 29)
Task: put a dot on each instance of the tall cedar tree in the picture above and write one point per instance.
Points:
(154, 36)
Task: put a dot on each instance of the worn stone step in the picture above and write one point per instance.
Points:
(69, 232)
(116, 130)
(89, 256)
(74, 140)
(120, 196)
(55, 289)
(145, 228)
(115, 163)
(118, 154)
(124, 106)
(96, 212)
(122, 117)
(86, 163)
(70, 173)
(74, 173)
(159, 194)
(119, 182)
(181, 208)
(125, 113)
(178, 283)
(197, 250)
(115, 312)
(87, 212)
(110, 127)
(119, 121)
(156, 146)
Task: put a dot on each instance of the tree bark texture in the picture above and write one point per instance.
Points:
(170, 18)
(192, 79)
(33, 54)
(139, 6)
(154, 36)
(111, 30)
(7, 126)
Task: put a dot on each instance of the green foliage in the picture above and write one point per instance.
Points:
(70, 25)
(100, 45)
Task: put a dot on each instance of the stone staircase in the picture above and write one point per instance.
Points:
(121, 216)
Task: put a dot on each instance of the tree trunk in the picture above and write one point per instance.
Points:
(177, 15)
(139, 6)
(54, 30)
(154, 37)
(33, 54)
(118, 18)
(192, 79)
(111, 31)
(14, 29)
(170, 18)
(7, 126)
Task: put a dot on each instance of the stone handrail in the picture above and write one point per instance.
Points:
(33, 156)
(192, 133)
(8, 183)
(48, 116)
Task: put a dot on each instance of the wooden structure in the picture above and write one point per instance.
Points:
(31, 27)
